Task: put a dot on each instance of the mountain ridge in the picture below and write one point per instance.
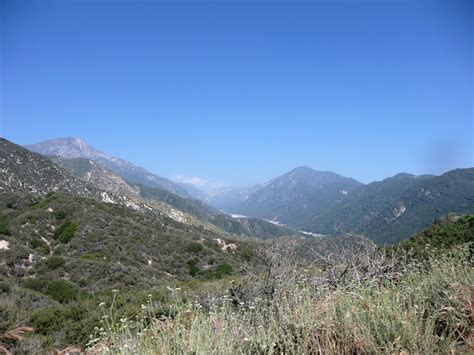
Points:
(72, 147)
(185, 210)
(305, 199)
(294, 196)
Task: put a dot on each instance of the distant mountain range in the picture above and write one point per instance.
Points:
(93, 167)
(70, 148)
(297, 196)
(421, 203)
(303, 199)
(385, 211)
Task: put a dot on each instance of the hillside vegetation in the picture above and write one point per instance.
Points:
(91, 260)
(63, 250)
(372, 302)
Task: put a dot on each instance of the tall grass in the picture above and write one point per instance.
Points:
(420, 308)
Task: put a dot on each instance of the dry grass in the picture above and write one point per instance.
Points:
(402, 307)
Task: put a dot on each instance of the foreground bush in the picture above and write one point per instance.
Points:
(61, 291)
(380, 306)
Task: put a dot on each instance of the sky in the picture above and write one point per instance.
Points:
(239, 92)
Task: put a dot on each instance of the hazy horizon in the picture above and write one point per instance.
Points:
(242, 92)
(208, 185)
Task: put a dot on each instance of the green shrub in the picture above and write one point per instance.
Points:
(66, 232)
(4, 229)
(47, 320)
(35, 243)
(4, 287)
(446, 233)
(43, 203)
(38, 244)
(223, 270)
(54, 262)
(61, 291)
(247, 253)
(35, 284)
(90, 257)
(194, 247)
(193, 268)
(60, 214)
(218, 272)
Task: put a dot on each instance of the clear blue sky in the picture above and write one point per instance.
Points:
(242, 91)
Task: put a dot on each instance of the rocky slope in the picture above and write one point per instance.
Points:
(89, 171)
(27, 172)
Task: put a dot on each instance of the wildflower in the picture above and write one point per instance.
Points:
(143, 306)
(101, 304)
(246, 339)
(115, 291)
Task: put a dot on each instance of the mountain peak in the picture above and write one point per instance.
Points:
(305, 171)
(297, 195)
(302, 169)
(68, 147)
(74, 147)
(403, 176)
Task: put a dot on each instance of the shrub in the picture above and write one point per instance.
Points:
(43, 203)
(47, 320)
(61, 291)
(90, 257)
(223, 270)
(446, 233)
(66, 232)
(54, 262)
(247, 253)
(194, 247)
(218, 272)
(4, 287)
(193, 268)
(38, 244)
(60, 214)
(35, 284)
(4, 229)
